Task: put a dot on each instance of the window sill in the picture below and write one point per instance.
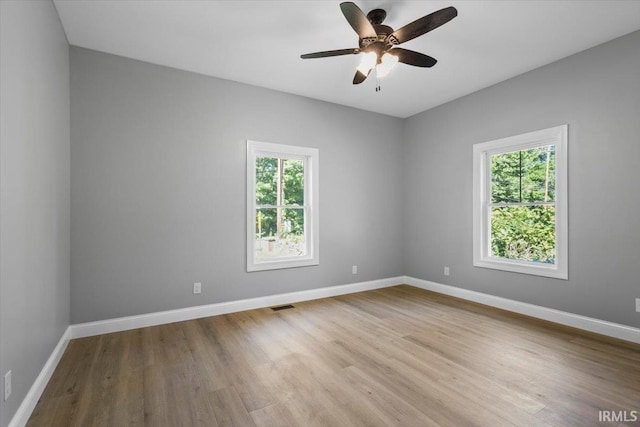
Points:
(523, 267)
(281, 264)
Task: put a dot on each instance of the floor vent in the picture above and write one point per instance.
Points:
(282, 307)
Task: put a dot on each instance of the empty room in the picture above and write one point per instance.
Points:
(319, 213)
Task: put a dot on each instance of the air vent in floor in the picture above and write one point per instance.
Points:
(282, 307)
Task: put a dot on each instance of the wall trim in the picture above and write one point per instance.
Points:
(590, 324)
(615, 330)
(29, 402)
(80, 330)
(99, 327)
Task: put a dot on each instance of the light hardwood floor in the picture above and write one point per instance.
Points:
(395, 356)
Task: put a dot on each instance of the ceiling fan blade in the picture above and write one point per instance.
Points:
(358, 20)
(359, 77)
(413, 58)
(328, 53)
(423, 25)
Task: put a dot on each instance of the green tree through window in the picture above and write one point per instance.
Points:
(280, 200)
(523, 205)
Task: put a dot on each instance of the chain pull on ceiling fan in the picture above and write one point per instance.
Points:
(377, 42)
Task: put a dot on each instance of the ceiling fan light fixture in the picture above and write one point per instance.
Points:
(368, 61)
(387, 64)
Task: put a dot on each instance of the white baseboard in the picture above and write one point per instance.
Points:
(80, 330)
(160, 318)
(33, 395)
(603, 327)
(615, 330)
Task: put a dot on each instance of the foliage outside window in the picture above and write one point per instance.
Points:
(282, 217)
(520, 203)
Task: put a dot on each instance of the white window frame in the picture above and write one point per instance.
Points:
(310, 157)
(482, 153)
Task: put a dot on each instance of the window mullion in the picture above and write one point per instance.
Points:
(506, 204)
(279, 206)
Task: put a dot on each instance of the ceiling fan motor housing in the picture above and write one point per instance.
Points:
(379, 45)
(382, 42)
(382, 31)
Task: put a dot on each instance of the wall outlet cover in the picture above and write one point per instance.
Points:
(7, 385)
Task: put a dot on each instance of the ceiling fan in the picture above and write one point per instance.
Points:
(378, 42)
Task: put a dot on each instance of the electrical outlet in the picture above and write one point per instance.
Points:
(197, 288)
(7, 385)
(446, 271)
(354, 269)
(638, 305)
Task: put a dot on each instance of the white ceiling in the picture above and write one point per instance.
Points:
(260, 42)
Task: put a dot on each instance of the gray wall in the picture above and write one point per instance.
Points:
(159, 180)
(34, 196)
(597, 92)
(158, 186)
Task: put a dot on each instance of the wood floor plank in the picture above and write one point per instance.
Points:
(209, 369)
(388, 406)
(276, 415)
(396, 356)
(229, 409)
(237, 369)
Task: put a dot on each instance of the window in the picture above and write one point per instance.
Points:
(282, 206)
(520, 203)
